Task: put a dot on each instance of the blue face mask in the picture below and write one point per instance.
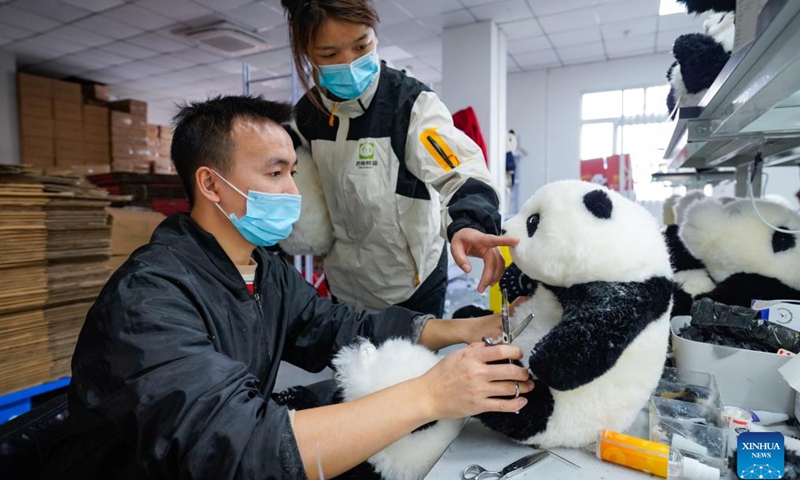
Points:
(269, 216)
(348, 81)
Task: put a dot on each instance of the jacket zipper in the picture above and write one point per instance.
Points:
(260, 314)
(440, 151)
(333, 114)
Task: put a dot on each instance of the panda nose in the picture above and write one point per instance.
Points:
(502, 231)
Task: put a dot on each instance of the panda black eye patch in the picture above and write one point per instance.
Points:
(782, 241)
(599, 203)
(532, 224)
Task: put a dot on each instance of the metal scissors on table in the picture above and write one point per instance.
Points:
(477, 472)
(507, 336)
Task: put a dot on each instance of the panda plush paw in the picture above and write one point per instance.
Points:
(363, 369)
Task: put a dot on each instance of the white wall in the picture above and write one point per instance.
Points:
(527, 116)
(9, 123)
(784, 181)
(473, 75)
(544, 108)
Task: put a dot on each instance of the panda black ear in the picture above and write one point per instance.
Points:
(599, 203)
(782, 241)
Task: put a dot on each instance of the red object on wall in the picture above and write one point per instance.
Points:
(466, 121)
(614, 172)
(319, 283)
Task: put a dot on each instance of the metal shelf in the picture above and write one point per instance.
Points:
(694, 179)
(753, 105)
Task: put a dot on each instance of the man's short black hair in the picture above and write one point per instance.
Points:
(203, 131)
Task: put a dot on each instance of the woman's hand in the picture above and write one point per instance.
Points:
(464, 383)
(474, 243)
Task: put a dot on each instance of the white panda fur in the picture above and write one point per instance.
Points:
(312, 234)
(571, 247)
(364, 369)
(779, 199)
(720, 25)
(694, 281)
(683, 204)
(731, 239)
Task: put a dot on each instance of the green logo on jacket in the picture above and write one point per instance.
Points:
(366, 150)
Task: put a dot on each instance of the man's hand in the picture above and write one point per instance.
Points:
(474, 243)
(488, 326)
(465, 382)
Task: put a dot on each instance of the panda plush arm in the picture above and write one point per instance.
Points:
(600, 320)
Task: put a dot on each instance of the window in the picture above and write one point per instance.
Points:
(634, 122)
(597, 140)
(633, 102)
(602, 105)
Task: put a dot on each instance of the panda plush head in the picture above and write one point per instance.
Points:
(601, 295)
(576, 232)
(699, 57)
(747, 258)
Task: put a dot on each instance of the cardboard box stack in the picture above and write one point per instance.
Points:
(36, 120)
(94, 93)
(68, 115)
(162, 159)
(130, 229)
(52, 265)
(96, 136)
(129, 149)
(76, 129)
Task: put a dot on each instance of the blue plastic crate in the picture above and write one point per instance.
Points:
(16, 403)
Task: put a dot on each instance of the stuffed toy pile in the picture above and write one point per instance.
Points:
(699, 57)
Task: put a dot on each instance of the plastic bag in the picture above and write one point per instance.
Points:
(734, 326)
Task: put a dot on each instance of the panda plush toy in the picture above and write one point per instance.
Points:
(746, 258)
(601, 299)
(690, 275)
(699, 57)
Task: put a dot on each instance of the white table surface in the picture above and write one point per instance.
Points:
(478, 444)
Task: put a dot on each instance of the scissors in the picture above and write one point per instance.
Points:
(507, 336)
(477, 472)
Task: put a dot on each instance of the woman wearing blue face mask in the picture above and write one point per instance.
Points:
(398, 178)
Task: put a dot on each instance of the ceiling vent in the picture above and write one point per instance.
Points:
(225, 38)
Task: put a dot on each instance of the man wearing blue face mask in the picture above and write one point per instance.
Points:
(177, 359)
(398, 178)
